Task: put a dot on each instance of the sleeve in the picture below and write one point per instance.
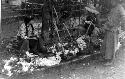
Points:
(18, 33)
(23, 31)
(35, 26)
(38, 29)
(40, 25)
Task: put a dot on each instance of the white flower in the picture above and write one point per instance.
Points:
(54, 50)
(39, 62)
(76, 50)
(29, 54)
(81, 43)
(64, 44)
(59, 44)
(72, 52)
(66, 52)
(8, 67)
(25, 65)
(53, 58)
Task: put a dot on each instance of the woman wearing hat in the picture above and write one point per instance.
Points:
(115, 18)
(111, 33)
(26, 32)
(26, 29)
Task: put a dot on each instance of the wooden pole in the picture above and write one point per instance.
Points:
(0, 22)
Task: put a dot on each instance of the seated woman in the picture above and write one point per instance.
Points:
(28, 36)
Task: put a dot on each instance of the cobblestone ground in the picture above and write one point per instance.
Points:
(89, 68)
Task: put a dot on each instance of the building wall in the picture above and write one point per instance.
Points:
(13, 2)
(16, 2)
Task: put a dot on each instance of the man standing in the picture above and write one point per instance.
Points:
(110, 44)
(26, 33)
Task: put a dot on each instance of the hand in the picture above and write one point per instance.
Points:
(25, 37)
(89, 22)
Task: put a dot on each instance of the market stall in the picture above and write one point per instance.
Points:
(64, 31)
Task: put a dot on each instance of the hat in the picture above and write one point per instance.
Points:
(91, 9)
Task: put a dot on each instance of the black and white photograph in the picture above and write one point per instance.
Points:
(62, 39)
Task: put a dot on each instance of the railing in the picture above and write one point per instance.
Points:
(18, 14)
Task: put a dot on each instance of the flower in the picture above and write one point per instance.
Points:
(81, 43)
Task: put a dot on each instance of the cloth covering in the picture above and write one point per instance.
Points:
(110, 44)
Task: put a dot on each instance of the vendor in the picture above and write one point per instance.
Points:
(92, 19)
(26, 30)
(27, 34)
(115, 18)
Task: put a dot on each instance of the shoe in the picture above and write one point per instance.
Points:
(109, 62)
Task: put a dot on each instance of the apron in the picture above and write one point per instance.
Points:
(110, 44)
(110, 41)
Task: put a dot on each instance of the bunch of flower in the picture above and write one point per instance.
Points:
(81, 43)
(28, 64)
(9, 66)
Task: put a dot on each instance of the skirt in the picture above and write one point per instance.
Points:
(110, 44)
